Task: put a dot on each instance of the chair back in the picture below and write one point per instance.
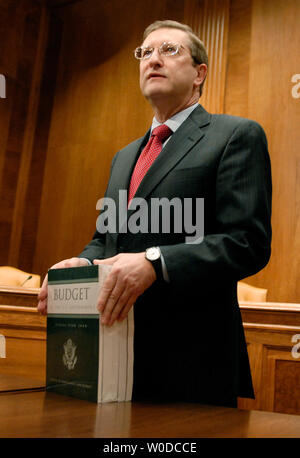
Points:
(11, 276)
(251, 293)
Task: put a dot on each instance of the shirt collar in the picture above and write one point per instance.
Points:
(175, 121)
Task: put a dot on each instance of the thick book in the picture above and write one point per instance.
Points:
(86, 359)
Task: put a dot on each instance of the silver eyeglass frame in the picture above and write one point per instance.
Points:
(160, 50)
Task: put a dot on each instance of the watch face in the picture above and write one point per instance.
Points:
(153, 253)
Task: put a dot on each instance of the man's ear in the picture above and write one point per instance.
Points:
(201, 74)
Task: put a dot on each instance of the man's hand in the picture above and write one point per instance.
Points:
(42, 297)
(130, 276)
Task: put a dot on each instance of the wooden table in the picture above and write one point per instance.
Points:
(44, 415)
(269, 328)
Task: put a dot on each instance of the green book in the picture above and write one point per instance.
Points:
(86, 359)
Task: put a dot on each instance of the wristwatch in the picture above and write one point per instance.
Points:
(153, 255)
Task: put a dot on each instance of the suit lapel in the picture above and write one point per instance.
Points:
(120, 179)
(125, 165)
(181, 142)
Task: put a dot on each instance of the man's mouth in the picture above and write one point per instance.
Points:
(155, 75)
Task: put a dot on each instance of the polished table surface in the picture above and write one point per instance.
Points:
(48, 415)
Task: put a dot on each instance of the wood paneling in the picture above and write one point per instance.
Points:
(209, 19)
(25, 333)
(21, 60)
(280, 115)
(269, 330)
(26, 151)
(40, 145)
(24, 297)
(262, 57)
(287, 386)
(24, 330)
(238, 58)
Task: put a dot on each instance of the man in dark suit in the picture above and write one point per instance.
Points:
(189, 342)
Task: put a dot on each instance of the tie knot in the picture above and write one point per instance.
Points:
(162, 132)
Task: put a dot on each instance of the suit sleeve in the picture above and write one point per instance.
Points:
(240, 244)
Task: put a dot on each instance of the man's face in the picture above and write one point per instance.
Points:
(169, 76)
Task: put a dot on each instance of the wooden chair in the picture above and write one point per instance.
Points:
(251, 293)
(11, 276)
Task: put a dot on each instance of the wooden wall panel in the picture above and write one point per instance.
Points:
(262, 57)
(270, 82)
(39, 147)
(9, 15)
(269, 330)
(209, 19)
(20, 22)
(25, 333)
(287, 387)
(238, 58)
(23, 181)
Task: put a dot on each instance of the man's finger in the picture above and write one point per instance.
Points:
(106, 291)
(124, 300)
(113, 304)
(42, 307)
(43, 291)
(107, 261)
(130, 303)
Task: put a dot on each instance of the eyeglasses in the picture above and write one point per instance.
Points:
(165, 49)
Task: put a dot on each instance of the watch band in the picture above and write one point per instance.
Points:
(155, 259)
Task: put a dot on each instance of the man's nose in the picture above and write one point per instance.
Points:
(155, 58)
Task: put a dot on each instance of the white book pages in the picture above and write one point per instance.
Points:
(110, 363)
(100, 362)
(122, 360)
(130, 354)
(102, 274)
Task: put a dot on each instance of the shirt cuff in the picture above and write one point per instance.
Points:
(88, 261)
(164, 269)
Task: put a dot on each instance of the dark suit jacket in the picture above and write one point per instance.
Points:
(189, 339)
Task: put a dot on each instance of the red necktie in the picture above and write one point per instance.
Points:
(147, 157)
